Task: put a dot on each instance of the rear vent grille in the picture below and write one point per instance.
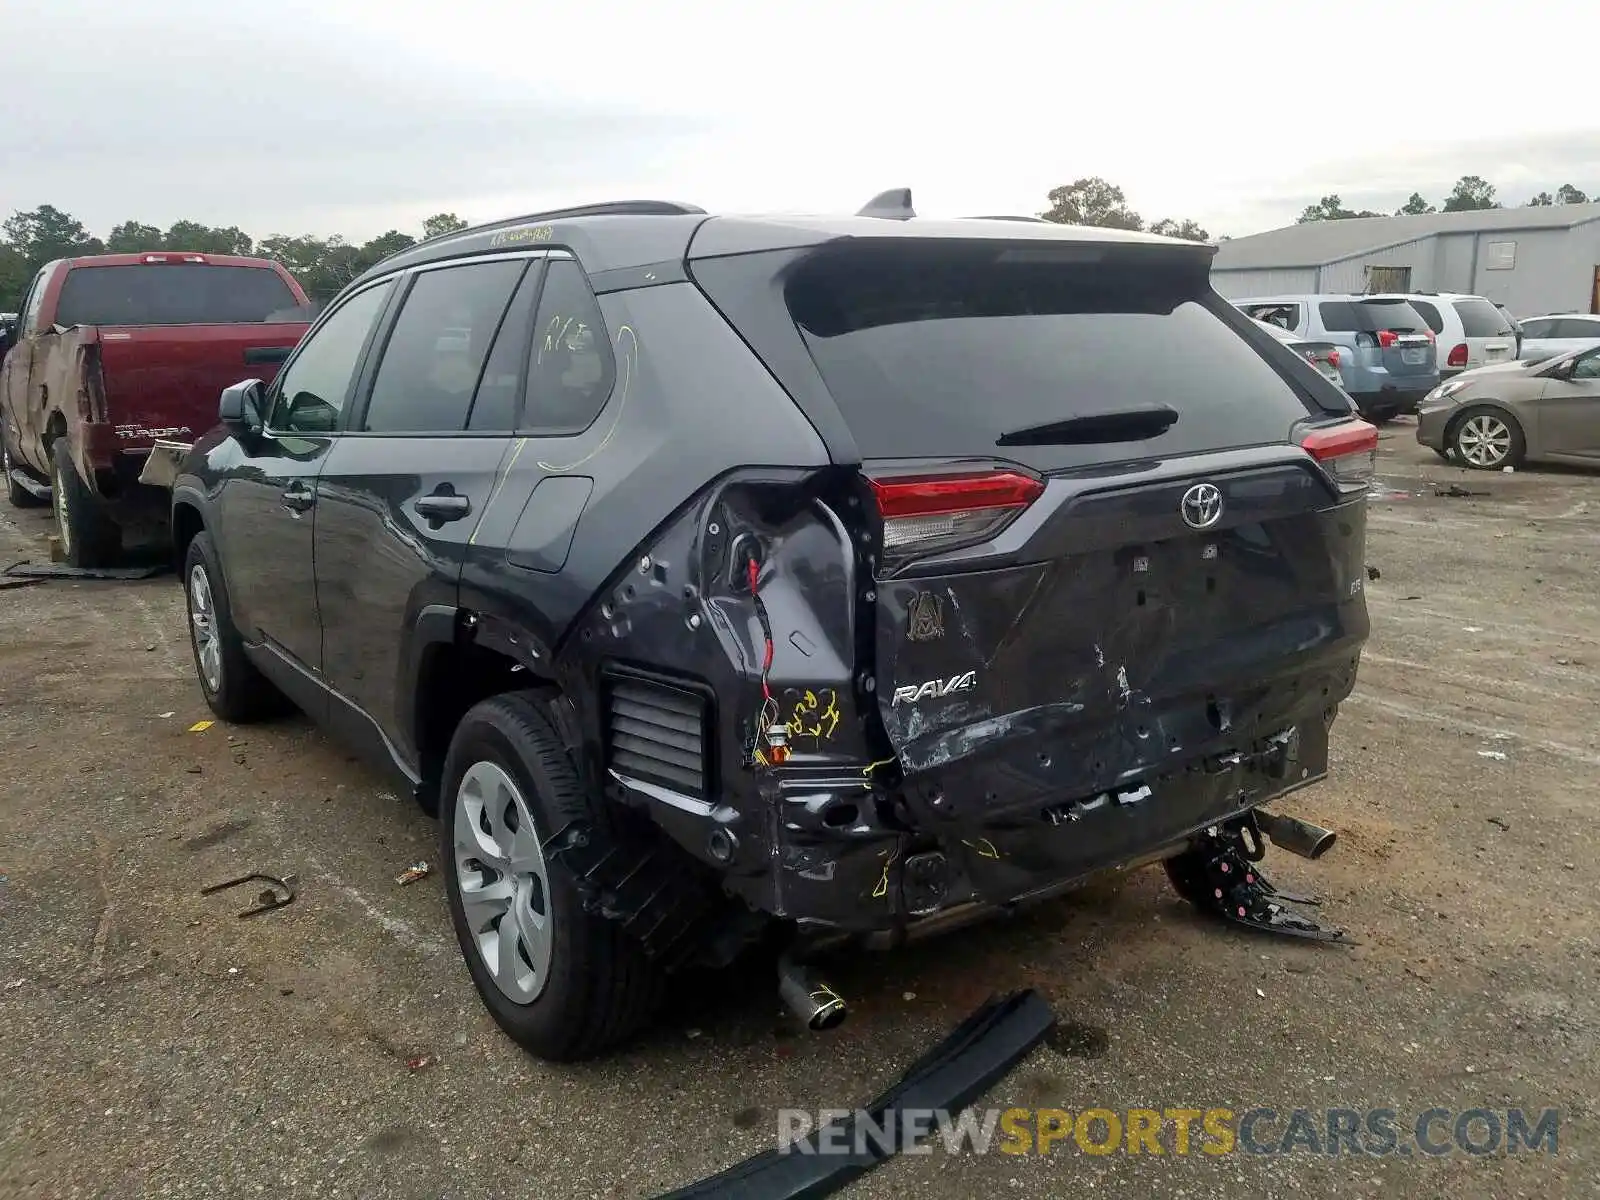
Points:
(656, 733)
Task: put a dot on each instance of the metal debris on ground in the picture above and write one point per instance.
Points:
(1456, 492)
(416, 871)
(39, 572)
(267, 900)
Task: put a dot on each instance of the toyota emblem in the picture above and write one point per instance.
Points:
(1201, 506)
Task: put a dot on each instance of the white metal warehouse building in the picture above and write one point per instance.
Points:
(1532, 260)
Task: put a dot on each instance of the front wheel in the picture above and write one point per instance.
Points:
(1486, 439)
(233, 688)
(563, 982)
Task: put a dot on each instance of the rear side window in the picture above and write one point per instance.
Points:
(938, 351)
(172, 294)
(437, 348)
(1481, 319)
(1430, 314)
(1369, 316)
(570, 368)
(1576, 329)
(1541, 328)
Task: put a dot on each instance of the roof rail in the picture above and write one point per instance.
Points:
(893, 205)
(1034, 220)
(618, 208)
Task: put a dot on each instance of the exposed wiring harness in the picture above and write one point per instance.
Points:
(776, 752)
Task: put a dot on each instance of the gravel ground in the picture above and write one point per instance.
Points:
(154, 1045)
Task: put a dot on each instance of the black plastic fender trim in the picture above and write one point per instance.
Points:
(976, 1055)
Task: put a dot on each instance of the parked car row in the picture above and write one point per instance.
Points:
(1388, 356)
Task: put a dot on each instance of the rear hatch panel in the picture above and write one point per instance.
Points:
(1108, 646)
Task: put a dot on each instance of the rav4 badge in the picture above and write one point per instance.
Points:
(935, 688)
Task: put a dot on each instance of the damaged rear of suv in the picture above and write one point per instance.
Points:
(904, 571)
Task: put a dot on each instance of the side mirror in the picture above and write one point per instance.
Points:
(240, 408)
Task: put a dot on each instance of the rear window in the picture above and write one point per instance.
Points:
(935, 352)
(1480, 319)
(173, 294)
(1369, 316)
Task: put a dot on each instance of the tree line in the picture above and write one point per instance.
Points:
(1471, 193)
(1094, 201)
(322, 265)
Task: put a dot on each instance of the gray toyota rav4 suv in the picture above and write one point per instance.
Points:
(813, 581)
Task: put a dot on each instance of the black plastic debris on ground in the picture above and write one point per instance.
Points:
(976, 1055)
(40, 572)
(1456, 492)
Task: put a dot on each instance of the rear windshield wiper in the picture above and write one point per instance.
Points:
(1129, 425)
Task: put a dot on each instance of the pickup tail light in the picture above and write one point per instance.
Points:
(1458, 356)
(1347, 451)
(922, 513)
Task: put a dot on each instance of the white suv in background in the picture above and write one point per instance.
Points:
(1470, 331)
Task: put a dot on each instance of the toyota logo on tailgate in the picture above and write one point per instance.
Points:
(1201, 506)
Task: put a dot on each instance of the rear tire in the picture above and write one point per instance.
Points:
(569, 984)
(1486, 439)
(19, 496)
(233, 688)
(89, 538)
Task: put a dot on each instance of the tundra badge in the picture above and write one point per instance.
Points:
(935, 688)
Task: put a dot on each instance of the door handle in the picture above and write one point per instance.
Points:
(441, 505)
(297, 497)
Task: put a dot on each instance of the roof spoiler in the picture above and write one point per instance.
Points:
(893, 205)
(1031, 220)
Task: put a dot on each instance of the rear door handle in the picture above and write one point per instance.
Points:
(298, 497)
(442, 505)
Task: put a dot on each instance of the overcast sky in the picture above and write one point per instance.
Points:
(356, 116)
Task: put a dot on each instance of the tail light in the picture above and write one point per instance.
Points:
(1458, 356)
(1347, 451)
(1387, 338)
(922, 513)
(1333, 358)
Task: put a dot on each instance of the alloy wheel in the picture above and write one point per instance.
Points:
(1484, 440)
(203, 629)
(504, 883)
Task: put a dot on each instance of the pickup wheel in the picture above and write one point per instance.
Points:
(563, 982)
(19, 496)
(89, 538)
(233, 688)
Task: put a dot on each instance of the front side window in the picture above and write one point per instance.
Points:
(1538, 329)
(570, 369)
(30, 312)
(312, 390)
(437, 348)
(1587, 367)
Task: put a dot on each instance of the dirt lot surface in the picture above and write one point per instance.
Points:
(155, 1045)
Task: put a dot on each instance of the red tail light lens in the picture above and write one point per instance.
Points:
(1333, 358)
(922, 513)
(1387, 338)
(1458, 356)
(1347, 451)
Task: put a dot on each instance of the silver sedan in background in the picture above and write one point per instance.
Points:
(1504, 415)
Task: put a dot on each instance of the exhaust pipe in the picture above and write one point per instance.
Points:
(1296, 836)
(813, 1001)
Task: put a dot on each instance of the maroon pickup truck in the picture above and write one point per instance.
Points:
(115, 351)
